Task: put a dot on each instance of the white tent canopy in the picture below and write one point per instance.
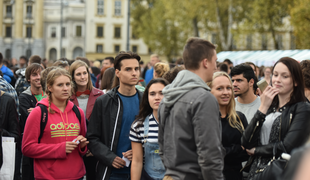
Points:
(266, 58)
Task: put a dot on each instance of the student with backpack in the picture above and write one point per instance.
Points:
(54, 132)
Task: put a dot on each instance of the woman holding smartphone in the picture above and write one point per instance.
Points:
(233, 125)
(144, 134)
(281, 121)
(56, 156)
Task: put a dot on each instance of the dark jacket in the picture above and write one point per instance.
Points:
(294, 131)
(8, 117)
(26, 101)
(94, 94)
(235, 155)
(103, 131)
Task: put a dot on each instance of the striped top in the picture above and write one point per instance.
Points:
(137, 131)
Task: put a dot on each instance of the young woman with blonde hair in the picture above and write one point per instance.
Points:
(233, 125)
(160, 69)
(56, 154)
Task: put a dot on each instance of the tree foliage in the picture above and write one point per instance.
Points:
(300, 19)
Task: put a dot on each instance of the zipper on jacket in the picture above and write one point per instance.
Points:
(291, 116)
(257, 124)
(280, 128)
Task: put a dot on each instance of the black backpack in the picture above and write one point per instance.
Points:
(44, 118)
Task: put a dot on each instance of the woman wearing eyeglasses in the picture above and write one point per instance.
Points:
(84, 96)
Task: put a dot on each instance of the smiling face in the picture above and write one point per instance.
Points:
(282, 79)
(155, 95)
(129, 72)
(35, 79)
(222, 90)
(81, 76)
(61, 88)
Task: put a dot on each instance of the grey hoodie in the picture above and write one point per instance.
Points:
(190, 130)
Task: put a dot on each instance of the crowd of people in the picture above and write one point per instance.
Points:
(122, 119)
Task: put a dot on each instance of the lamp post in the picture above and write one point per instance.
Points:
(128, 26)
(61, 8)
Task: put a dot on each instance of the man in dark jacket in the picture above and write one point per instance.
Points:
(189, 133)
(28, 100)
(111, 119)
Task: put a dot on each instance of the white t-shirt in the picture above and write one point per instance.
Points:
(248, 110)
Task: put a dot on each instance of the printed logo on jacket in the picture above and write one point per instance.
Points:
(60, 130)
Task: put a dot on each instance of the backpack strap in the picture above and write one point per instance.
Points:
(43, 122)
(77, 112)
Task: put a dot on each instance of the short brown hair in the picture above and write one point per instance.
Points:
(35, 59)
(31, 69)
(195, 50)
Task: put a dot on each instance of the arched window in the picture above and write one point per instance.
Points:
(77, 52)
(53, 54)
(8, 54)
(28, 53)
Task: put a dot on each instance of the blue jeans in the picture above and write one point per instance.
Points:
(114, 176)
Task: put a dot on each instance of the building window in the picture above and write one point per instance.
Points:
(77, 52)
(9, 11)
(63, 32)
(118, 8)
(117, 32)
(264, 42)
(116, 48)
(99, 31)
(29, 11)
(135, 49)
(99, 48)
(28, 53)
(8, 54)
(53, 30)
(249, 42)
(8, 31)
(78, 31)
(53, 54)
(279, 41)
(100, 7)
(29, 32)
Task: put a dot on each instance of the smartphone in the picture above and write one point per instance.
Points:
(262, 84)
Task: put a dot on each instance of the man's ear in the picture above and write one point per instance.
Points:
(117, 72)
(251, 82)
(204, 63)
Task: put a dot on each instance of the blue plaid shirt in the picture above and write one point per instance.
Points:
(8, 88)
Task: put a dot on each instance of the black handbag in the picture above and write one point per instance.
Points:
(274, 169)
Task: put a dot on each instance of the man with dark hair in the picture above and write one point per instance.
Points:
(28, 100)
(190, 128)
(23, 62)
(107, 62)
(35, 59)
(244, 84)
(7, 73)
(117, 110)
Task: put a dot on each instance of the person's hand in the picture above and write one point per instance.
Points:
(118, 163)
(29, 110)
(266, 98)
(83, 141)
(128, 155)
(70, 146)
(242, 148)
(251, 151)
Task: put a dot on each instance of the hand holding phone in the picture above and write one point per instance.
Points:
(262, 84)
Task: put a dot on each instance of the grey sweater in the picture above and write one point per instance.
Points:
(190, 130)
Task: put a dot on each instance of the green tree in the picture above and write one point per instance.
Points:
(300, 20)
